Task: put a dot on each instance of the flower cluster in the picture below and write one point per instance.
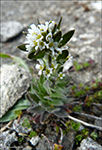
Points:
(41, 37)
(46, 45)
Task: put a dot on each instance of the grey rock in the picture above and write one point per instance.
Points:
(68, 140)
(14, 83)
(9, 30)
(27, 148)
(18, 126)
(34, 140)
(89, 144)
(43, 144)
(6, 139)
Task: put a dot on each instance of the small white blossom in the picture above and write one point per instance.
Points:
(41, 44)
(48, 72)
(51, 25)
(49, 36)
(40, 66)
(61, 75)
(28, 47)
(44, 28)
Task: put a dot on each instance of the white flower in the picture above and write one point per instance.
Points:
(54, 64)
(49, 36)
(40, 66)
(51, 25)
(41, 44)
(61, 75)
(28, 47)
(43, 28)
(53, 46)
(34, 30)
(48, 72)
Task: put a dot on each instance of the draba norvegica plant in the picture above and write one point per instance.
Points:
(49, 89)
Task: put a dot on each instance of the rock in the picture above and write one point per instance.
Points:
(89, 144)
(68, 140)
(18, 126)
(34, 140)
(14, 83)
(97, 5)
(43, 144)
(27, 148)
(9, 30)
(6, 139)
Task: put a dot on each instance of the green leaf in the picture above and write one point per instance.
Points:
(59, 23)
(22, 47)
(34, 97)
(54, 29)
(61, 113)
(26, 123)
(16, 59)
(56, 102)
(34, 87)
(41, 88)
(36, 109)
(30, 99)
(64, 82)
(42, 79)
(47, 85)
(57, 95)
(32, 134)
(36, 55)
(5, 56)
(20, 105)
(66, 37)
(57, 36)
(62, 57)
(20, 62)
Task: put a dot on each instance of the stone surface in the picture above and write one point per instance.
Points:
(43, 144)
(18, 126)
(9, 30)
(27, 148)
(34, 140)
(89, 144)
(6, 139)
(68, 140)
(13, 84)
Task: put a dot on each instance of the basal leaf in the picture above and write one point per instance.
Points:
(20, 62)
(61, 113)
(20, 105)
(34, 97)
(42, 78)
(46, 85)
(5, 56)
(41, 88)
(56, 102)
(66, 37)
(35, 109)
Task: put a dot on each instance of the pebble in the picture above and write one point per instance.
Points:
(89, 144)
(14, 83)
(6, 139)
(9, 30)
(34, 140)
